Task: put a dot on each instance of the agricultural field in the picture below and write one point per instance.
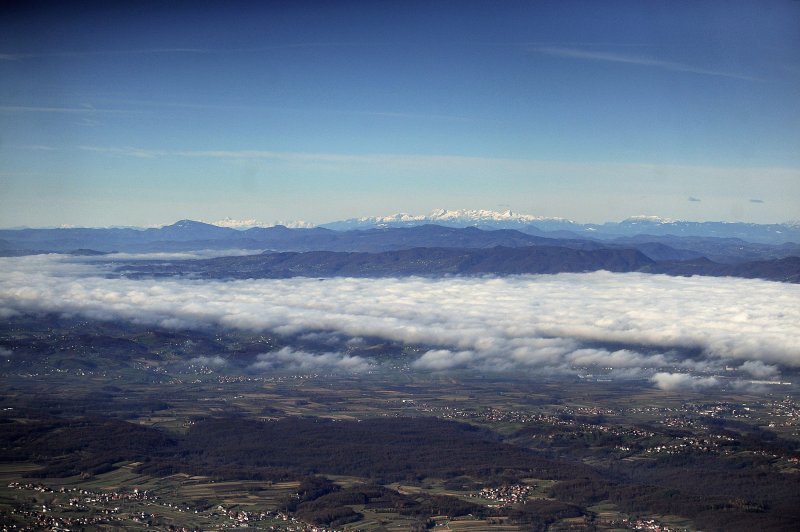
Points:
(148, 433)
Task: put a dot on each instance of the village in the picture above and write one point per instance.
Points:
(70, 508)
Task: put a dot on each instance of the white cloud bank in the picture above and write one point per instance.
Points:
(211, 361)
(541, 323)
(682, 381)
(288, 358)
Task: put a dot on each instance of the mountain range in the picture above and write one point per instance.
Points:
(407, 246)
(497, 260)
(635, 225)
(439, 261)
(188, 235)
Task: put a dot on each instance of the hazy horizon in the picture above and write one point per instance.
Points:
(247, 223)
(142, 114)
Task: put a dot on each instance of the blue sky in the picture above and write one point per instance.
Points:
(143, 113)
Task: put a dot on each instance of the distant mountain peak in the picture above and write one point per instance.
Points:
(642, 224)
(250, 223)
(187, 224)
(459, 215)
(485, 215)
(648, 219)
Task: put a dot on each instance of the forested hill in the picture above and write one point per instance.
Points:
(451, 261)
(187, 235)
(429, 250)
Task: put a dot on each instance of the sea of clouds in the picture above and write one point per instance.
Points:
(676, 330)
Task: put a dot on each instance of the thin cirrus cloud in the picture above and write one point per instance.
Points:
(60, 110)
(638, 60)
(459, 163)
(148, 104)
(66, 54)
(640, 325)
(21, 56)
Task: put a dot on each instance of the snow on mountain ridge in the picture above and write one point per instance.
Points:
(486, 215)
(648, 218)
(461, 215)
(252, 222)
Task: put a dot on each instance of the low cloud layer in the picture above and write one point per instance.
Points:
(215, 361)
(547, 323)
(759, 370)
(683, 381)
(289, 359)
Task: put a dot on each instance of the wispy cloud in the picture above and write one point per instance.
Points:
(394, 114)
(128, 151)
(290, 110)
(20, 56)
(693, 199)
(37, 147)
(473, 165)
(88, 53)
(755, 200)
(239, 154)
(62, 110)
(718, 186)
(88, 122)
(639, 60)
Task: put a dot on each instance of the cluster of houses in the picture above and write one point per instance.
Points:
(648, 525)
(87, 495)
(106, 510)
(50, 515)
(239, 518)
(685, 444)
(504, 495)
(40, 520)
(651, 525)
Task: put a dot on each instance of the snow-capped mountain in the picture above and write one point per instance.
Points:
(485, 215)
(646, 218)
(653, 225)
(252, 222)
(632, 226)
(453, 218)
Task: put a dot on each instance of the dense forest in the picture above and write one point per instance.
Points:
(718, 494)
